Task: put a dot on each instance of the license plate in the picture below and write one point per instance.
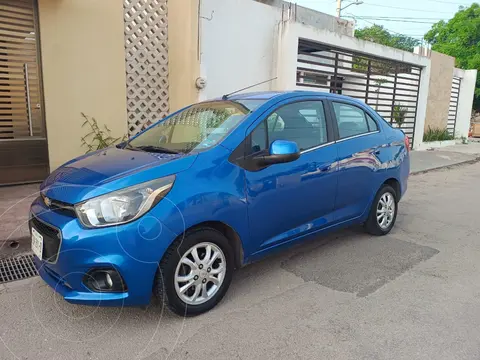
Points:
(37, 243)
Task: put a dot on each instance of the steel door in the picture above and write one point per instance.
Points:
(23, 144)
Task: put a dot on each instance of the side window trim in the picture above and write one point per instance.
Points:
(357, 136)
(368, 116)
(335, 121)
(248, 139)
(317, 147)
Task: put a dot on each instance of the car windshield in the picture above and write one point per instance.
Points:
(199, 127)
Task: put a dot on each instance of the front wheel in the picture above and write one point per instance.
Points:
(383, 212)
(195, 272)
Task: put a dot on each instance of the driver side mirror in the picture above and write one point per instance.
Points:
(280, 151)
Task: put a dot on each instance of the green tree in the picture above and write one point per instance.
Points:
(380, 35)
(460, 37)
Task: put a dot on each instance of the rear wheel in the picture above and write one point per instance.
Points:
(195, 272)
(383, 212)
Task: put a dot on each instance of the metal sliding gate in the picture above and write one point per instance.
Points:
(453, 108)
(23, 144)
(390, 87)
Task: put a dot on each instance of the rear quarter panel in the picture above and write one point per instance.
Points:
(398, 165)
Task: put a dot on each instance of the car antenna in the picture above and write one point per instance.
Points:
(225, 97)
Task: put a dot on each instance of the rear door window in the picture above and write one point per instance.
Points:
(352, 120)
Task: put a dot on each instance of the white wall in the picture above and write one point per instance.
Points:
(240, 38)
(464, 112)
(237, 45)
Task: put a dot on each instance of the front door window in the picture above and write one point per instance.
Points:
(303, 122)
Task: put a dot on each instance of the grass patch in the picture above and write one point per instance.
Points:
(437, 134)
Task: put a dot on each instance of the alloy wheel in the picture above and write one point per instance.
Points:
(385, 210)
(200, 273)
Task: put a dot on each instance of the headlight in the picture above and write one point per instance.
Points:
(123, 205)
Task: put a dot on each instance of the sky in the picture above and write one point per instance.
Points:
(409, 17)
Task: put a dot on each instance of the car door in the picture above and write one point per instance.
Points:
(360, 157)
(288, 200)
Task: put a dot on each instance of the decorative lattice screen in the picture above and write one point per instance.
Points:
(146, 56)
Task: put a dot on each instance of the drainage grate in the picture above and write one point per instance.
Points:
(17, 268)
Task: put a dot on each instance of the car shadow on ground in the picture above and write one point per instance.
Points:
(348, 261)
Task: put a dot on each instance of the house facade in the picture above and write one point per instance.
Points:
(124, 63)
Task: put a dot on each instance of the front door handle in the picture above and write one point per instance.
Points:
(325, 167)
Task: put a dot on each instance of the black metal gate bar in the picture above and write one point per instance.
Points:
(386, 85)
(453, 108)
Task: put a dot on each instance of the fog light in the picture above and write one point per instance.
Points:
(109, 280)
(104, 280)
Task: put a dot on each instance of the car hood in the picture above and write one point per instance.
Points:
(108, 170)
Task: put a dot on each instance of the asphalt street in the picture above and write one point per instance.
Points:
(414, 294)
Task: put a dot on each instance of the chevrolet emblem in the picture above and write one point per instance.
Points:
(47, 201)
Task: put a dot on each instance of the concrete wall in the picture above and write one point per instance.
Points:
(440, 85)
(239, 41)
(315, 18)
(83, 56)
(465, 100)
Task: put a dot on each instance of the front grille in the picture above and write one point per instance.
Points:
(17, 268)
(60, 206)
(51, 239)
(63, 208)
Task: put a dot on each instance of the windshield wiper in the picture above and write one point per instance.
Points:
(157, 149)
(130, 147)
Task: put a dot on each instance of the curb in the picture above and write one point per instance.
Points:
(451, 166)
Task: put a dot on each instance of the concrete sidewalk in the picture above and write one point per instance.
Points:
(427, 160)
(15, 200)
(14, 206)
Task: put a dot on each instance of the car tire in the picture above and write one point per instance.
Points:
(377, 224)
(173, 267)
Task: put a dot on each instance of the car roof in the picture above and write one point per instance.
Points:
(268, 95)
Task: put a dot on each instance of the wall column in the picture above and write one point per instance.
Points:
(286, 56)
(465, 102)
(183, 52)
(440, 88)
(422, 103)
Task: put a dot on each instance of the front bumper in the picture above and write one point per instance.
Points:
(133, 249)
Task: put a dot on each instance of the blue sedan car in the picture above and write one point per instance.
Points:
(213, 187)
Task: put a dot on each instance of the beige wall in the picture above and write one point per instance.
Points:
(441, 75)
(183, 56)
(82, 46)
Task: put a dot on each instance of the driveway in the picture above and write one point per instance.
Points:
(414, 294)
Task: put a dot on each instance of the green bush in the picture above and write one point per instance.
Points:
(399, 113)
(437, 134)
(98, 138)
